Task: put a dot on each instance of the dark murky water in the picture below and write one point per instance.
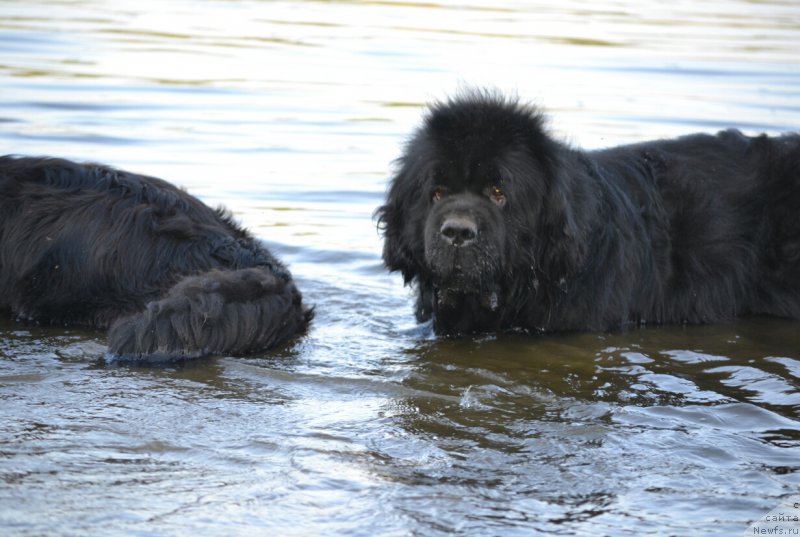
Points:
(290, 113)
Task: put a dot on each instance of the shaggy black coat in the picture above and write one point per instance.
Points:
(87, 245)
(498, 225)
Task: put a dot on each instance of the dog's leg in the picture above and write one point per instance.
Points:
(217, 312)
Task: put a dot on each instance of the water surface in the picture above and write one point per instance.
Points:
(290, 113)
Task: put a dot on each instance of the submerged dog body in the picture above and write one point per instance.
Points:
(87, 245)
(500, 226)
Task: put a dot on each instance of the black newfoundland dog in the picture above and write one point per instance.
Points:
(498, 225)
(87, 245)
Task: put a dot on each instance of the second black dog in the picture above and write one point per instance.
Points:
(88, 245)
(499, 225)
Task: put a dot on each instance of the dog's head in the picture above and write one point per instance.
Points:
(478, 190)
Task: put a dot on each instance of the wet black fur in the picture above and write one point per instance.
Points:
(699, 229)
(88, 245)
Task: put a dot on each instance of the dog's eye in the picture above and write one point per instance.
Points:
(497, 195)
(438, 193)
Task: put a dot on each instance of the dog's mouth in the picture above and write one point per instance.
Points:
(456, 274)
(452, 297)
(461, 278)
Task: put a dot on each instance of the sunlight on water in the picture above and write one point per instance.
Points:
(290, 114)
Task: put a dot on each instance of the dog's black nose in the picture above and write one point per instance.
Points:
(459, 230)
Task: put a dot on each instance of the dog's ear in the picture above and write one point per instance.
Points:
(397, 253)
(564, 217)
(401, 218)
(559, 182)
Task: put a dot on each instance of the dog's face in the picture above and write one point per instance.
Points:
(465, 230)
(465, 214)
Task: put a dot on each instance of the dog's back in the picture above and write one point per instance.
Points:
(88, 245)
(729, 206)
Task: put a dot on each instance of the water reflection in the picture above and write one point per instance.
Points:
(549, 432)
(573, 427)
(290, 113)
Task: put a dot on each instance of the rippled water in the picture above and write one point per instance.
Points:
(290, 113)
